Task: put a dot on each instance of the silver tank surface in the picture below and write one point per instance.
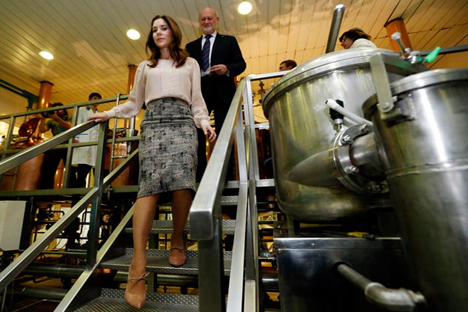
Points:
(300, 126)
(426, 147)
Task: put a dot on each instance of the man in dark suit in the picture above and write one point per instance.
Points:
(220, 60)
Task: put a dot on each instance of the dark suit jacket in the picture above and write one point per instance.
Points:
(225, 51)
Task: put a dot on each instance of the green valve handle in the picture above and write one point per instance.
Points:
(432, 56)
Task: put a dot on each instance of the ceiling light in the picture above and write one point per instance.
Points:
(46, 55)
(133, 34)
(244, 8)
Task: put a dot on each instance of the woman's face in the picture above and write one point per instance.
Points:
(162, 34)
(346, 42)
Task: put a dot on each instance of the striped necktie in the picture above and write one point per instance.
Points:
(206, 53)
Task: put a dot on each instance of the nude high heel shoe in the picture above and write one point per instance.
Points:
(179, 260)
(135, 300)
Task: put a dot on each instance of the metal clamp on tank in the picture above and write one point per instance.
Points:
(357, 161)
(388, 111)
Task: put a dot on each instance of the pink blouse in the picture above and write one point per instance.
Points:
(165, 80)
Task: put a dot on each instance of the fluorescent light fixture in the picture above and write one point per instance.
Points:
(133, 34)
(244, 8)
(46, 55)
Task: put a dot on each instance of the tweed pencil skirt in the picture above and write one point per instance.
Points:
(168, 148)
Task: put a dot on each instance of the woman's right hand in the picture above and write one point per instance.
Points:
(99, 117)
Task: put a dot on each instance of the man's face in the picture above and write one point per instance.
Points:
(95, 98)
(208, 21)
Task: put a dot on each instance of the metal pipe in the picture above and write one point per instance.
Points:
(449, 50)
(40, 292)
(365, 156)
(401, 300)
(335, 27)
(55, 270)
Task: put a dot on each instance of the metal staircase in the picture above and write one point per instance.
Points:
(210, 265)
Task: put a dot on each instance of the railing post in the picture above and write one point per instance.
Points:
(93, 234)
(67, 165)
(211, 268)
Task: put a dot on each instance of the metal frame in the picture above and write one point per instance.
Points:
(205, 225)
(30, 254)
(205, 215)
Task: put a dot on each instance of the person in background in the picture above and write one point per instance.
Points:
(84, 158)
(287, 65)
(169, 83)
(57, 122)
(356, 38)
(220, 60)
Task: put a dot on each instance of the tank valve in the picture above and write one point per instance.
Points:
(414, 57)
(336, 116)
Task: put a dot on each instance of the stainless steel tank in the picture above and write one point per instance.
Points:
(426, 147)
(301, 126)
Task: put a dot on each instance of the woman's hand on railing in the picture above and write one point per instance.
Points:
(99, 117)
(208, 130)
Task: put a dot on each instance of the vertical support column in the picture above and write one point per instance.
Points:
(95, 218)
(211, 268)
(44, 94)
(398, 25)
(43, 99)
(132, 68)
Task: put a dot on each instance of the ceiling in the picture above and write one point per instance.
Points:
(92, 52)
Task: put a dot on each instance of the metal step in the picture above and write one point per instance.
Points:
(113, 300)
(158, 262)
(165, 227)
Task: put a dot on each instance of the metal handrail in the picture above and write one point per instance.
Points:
(31, 253)
(40, 148)
(205, 215)
(236, 280)
(70, 106)
(202, 213)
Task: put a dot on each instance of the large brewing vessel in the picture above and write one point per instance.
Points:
(301, 127)
(424, 138)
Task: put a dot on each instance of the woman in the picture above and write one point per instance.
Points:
(356, 38)
(169, 83)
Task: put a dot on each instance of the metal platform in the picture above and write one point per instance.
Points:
(158, 262)
(165, 227)
(113, 300)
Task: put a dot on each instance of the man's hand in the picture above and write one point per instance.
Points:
(219, 69)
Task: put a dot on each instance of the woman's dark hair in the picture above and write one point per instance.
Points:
(177, 54)
(354, 34)
(289, 63)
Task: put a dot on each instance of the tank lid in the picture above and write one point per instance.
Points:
(414, 82)
(331, 62)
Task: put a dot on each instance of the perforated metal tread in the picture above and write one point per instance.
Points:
(158, 262)
(165, 227)
(113, 300)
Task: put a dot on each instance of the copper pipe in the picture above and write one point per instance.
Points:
(398, 25)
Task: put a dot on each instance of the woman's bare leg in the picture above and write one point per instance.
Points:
(181, 203)
(143, 217)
